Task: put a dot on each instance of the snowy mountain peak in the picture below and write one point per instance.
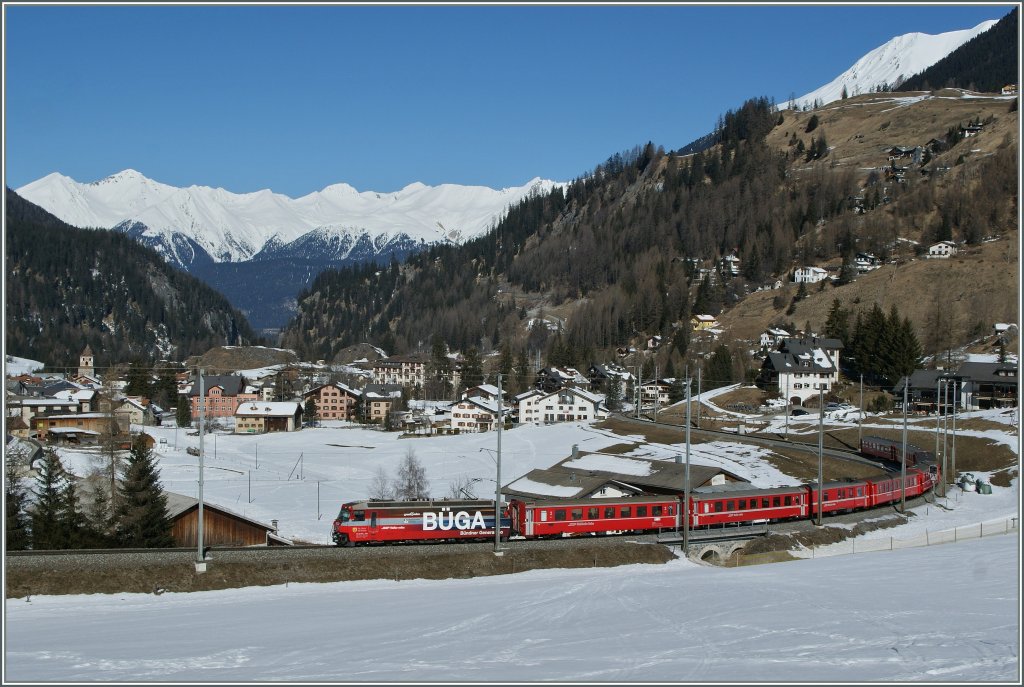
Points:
(233, 227)
(890, 64)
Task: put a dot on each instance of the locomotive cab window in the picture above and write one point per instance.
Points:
(359, 515)
(343, 516)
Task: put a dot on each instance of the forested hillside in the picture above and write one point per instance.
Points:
(68, 288)
(617, 254)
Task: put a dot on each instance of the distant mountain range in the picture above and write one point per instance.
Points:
(259, 249)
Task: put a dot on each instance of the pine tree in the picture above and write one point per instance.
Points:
(472, 368)
(613, 393)
(47, 519)
(309, 412)
(142, 520)
(16, 528)
(183, 413)
(718, 371)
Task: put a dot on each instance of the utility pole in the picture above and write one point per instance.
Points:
(821, 447)
(956, 384)
(860, 415)
(903, 457)
(938, 386)
(200, 558)
(945, 419)
(686, 481)
(698, 397)
(787, 407)
(497, 481)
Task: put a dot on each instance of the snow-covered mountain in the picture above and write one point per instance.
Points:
(890, 64)
(183, 223)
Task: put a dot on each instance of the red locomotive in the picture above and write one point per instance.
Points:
(405, 521)
(412, 521)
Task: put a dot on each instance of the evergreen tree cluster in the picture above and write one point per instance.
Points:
(67, 288)
(51, 514)
(882, 348)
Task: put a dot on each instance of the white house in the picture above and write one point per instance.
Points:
(942, 249)
(801, 368)
(772, 337)
(258, 417)
(732, 264)
(563, 405)
(475, 414)
(809, 275)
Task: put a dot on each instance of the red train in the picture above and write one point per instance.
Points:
(411, 521)
(891, 451)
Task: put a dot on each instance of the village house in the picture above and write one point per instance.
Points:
(474, 415)
(138, 411)
(772, 337)
(701, 323)
(554, 378)
(378, 402)
(942, 249)
(485, 391)
(333, 401)
(655, 392)
(75, 427)
(1009, 89)
(809, 275)
(223, 395)
(801, 368)
(404, 370)
(601, 375)
(732, 264)
(569, 404)
(599, 476)
(261, 417)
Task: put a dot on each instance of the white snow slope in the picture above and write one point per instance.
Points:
(234, 227)
(946, 613)
(899, 59)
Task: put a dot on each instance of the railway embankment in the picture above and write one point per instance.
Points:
(174, 570)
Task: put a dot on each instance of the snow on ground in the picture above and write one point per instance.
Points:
(948, 614)
(19, 366)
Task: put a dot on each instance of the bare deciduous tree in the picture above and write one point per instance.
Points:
(381, 487)
(411, 481)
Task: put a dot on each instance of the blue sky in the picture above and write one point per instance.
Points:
(295, 98)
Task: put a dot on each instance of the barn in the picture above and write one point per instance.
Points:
(221, 527)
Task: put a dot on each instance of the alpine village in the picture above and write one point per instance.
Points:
(844, 262)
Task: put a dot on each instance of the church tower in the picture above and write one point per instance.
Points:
(85, 362)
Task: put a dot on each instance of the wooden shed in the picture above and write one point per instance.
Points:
(221, 527)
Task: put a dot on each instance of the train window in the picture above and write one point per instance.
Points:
(764, 502)
(788, 501)
(655, 510)
(641, 511)
(729, 505)
(743, 504)
(718, 506)
(625, 512)
(609, 512)
(560, 514)
(860, 491)
(359, 515)
(776, 501)
(373, 519)
(543, 516)
(670, 510)
(577, 513)
(592, 513)
(343, 515)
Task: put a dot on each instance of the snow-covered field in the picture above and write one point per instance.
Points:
(945, 614)
(942, 613)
